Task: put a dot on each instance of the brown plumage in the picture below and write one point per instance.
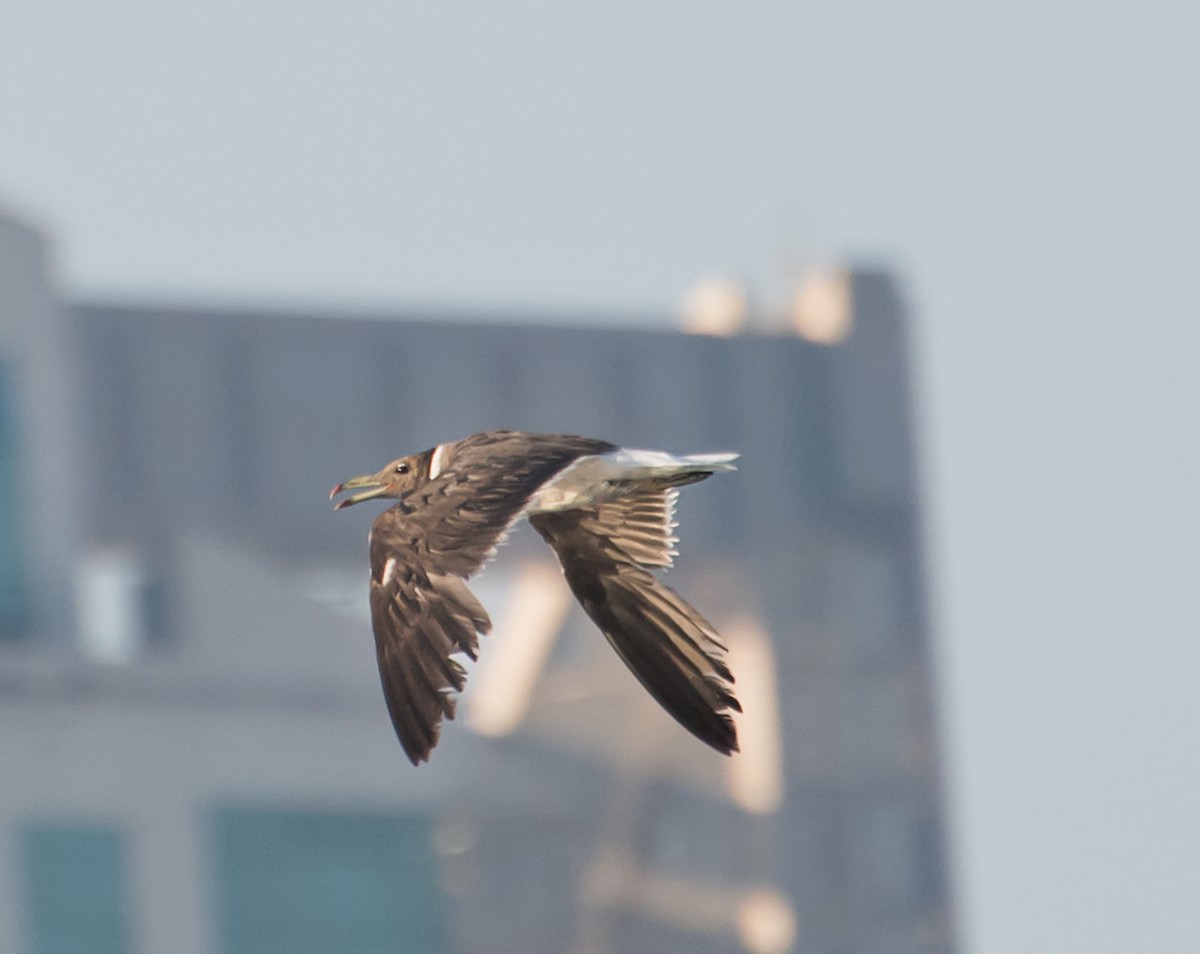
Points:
(607, 514)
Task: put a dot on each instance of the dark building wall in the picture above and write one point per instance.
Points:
(210, 440)
(38, 359)
(245, 420)
(14, 586)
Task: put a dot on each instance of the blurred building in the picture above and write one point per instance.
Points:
(196, 754)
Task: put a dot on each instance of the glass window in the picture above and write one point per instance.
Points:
(303, 882)
(74, 890)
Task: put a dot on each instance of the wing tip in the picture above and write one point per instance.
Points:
(728, 749)
(415, 757)
(719, 732)
(419, 749)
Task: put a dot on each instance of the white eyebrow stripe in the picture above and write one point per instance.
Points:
(438, 461)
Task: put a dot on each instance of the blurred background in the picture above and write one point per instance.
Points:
(931, 270)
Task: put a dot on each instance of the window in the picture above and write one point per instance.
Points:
(74, 890)
(300, 882)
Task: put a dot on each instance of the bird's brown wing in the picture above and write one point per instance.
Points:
(672, 650)
(423, 550)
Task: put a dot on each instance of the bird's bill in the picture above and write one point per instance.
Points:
(370, 481)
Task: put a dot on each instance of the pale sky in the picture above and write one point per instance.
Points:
(1030, 169)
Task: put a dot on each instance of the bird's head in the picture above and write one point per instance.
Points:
(394, 480)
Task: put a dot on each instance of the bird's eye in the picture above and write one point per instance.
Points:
(402, 468)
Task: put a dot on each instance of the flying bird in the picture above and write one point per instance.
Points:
(607, 512)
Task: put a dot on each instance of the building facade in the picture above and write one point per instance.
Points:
(197, 755)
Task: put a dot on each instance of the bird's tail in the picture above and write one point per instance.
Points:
(711, 462)
(651, 469)
(650, 463)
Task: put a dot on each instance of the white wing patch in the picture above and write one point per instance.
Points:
(389, 571)
(437, 463)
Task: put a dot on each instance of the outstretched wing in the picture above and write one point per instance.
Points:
(420, 620)
(674, 652)
(423, 550)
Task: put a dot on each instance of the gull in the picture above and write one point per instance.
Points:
(606, 511)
